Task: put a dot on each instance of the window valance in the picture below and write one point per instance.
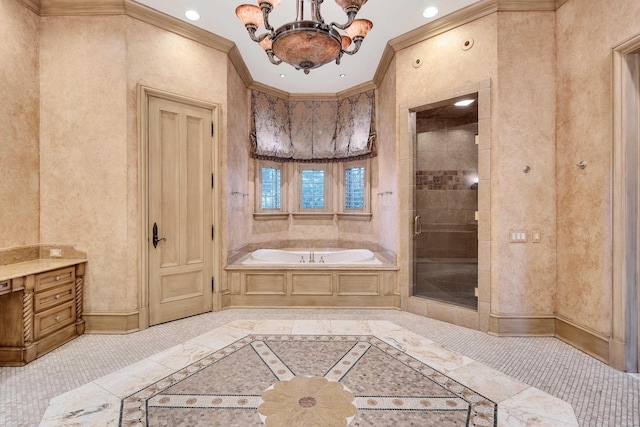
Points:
(312, 131)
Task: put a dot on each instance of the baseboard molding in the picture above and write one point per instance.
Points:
(590, 342)
(111, 323)
(537, 326)
(584, 339)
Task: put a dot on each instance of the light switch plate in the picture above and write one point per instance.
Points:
(55, 253)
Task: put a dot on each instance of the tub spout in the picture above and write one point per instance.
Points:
(311, 255)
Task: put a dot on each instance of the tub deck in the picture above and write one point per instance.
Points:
(311, 285)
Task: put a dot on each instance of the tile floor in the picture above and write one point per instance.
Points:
(450, 282)
(599, 396)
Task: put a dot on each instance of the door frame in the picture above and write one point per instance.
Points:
(144, 93)
(482, 318)
(624, 347)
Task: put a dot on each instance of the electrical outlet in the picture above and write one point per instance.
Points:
(55, 253)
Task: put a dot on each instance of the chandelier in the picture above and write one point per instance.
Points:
(305, 43)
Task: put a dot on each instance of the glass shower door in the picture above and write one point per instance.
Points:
(445, 202)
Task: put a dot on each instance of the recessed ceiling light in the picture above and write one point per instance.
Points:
(282, 76)
(192, 15)
(342, 75)
(464, 102)
(430, 12)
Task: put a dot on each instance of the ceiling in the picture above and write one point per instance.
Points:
(389, 19)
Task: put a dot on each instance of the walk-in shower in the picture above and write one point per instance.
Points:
(446, 202)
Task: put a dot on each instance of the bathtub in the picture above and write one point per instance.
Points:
(286, 278)
(312, 257)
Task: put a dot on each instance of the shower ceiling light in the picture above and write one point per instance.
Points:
(464, 102)
(192, 15)
(430, 12)
(305, 43)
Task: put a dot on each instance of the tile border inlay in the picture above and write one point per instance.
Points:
(454, 373)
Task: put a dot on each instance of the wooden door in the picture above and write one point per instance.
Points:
(180, 208)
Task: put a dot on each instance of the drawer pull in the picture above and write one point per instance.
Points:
(57, 318)
(57, 296)
(57, 277)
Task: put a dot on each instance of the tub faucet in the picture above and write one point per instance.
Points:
(311, 260)
(301, 259)
(322, 260)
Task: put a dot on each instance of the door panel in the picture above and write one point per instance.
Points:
(180, 198)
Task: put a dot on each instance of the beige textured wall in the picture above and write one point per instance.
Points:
(517, 52)
(19, 125)
(523, 274)
(387, 173)
(445, 67)
(587, 31)
(90, 69)
(237, 216)
(84, 151)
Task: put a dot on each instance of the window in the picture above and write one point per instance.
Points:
(354, 188)
(270, 194)
(313, 189)
(271, 191)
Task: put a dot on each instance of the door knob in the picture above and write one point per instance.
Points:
(155, 236)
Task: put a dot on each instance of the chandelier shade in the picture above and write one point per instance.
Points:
(308, 42)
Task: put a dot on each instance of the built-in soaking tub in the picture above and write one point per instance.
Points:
(312, 256)
(311, 278)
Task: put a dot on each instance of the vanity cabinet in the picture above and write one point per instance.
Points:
(40, 308)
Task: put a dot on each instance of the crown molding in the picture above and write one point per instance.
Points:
(81, 7)
(151, 16)
(158, 19)
(363, 87)
(456, 19)
(261, 87)
(385, 61)
(313, 96)
(241, 67)
(32, 5)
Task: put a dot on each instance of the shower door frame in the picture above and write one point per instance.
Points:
(479, 319)
(624, 346)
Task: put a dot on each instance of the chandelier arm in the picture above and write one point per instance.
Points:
(266, 10)
(251, 29)
(272, 57)
(318, 16)
(357, 41)
(351, 15)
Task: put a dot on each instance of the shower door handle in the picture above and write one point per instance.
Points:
(417, 225)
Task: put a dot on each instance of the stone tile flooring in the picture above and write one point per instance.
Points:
(450, 282)
(600, 396)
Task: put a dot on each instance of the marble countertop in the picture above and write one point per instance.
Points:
(26, 268)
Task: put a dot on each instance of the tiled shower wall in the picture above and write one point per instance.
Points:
(446, 190)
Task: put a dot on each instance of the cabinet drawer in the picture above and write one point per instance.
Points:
(53, 319)
(54, 296)
(54, 278)
(5, 286)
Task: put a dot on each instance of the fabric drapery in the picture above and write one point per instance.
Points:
(313, 131)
